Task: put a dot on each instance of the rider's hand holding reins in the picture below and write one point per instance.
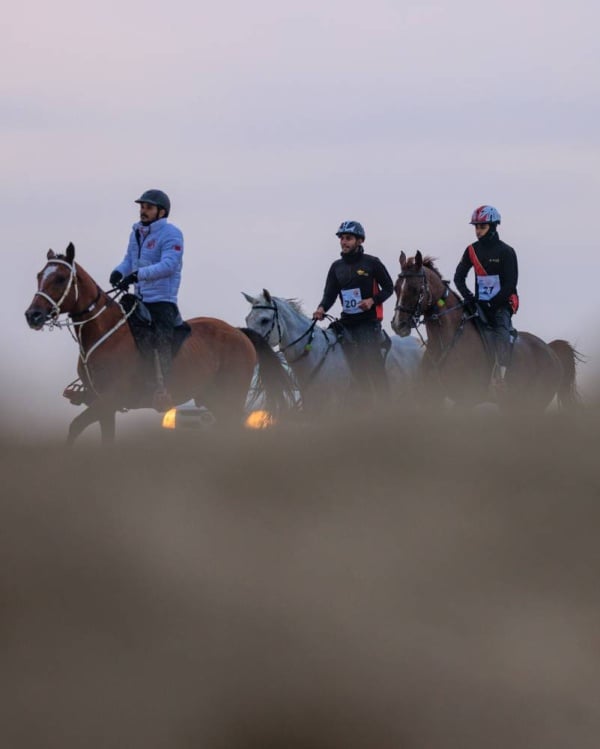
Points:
(115, 278)
(318, 314)
(366, 304)
(128, 280)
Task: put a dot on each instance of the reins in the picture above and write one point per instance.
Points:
(310, 332)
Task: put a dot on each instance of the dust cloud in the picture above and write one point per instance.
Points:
(411, 581)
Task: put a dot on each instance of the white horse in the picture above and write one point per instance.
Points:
(316, 355)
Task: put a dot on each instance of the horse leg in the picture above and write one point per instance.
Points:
(81, 422)
(107, 426)
(94, 413)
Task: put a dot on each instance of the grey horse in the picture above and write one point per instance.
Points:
(317, 358)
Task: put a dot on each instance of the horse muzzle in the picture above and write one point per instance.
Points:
(36, 318)
(401, 327)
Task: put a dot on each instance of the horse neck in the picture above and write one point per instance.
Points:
(93, 324)
(293, 325)
(442, 323)
(292, 322)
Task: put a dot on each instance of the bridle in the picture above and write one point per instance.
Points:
(310, 331)
(428, 309)
(76, 327)
(56, 305)
(421, 307)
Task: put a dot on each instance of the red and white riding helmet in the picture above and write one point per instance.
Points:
(485, 214)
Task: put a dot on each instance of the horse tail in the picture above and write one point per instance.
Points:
(273, 377)
(567, 394)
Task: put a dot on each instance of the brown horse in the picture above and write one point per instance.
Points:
(457, 363)
(215, 364)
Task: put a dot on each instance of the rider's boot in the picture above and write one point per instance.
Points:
(498, 382)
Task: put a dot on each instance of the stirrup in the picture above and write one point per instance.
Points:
(77, 393)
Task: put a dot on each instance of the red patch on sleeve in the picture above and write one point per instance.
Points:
(177, 247)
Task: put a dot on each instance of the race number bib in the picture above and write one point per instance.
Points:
(351, 298)
(487, 287)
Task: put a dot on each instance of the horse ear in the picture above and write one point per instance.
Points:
(419, 260)
(249, 299)
(267, 296)
(70, 252)
(50, 255)
(402, 259)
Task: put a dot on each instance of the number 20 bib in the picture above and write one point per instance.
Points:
(351, 298)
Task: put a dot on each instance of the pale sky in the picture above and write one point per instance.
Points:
(268, 123)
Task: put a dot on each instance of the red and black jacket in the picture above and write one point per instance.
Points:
(496, 258)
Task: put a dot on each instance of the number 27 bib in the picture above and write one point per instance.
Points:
(488, 287)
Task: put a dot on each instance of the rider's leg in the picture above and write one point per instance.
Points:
(370, 362)
(502, 326)
(164, 316)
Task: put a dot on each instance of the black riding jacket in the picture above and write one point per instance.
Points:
(497, 258)
(357, 270)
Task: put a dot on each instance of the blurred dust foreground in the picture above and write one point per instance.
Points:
(410, 582)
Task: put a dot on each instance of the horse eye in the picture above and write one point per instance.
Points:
(61, 279)
(264, 321)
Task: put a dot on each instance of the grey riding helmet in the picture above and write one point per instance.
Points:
(156, 197)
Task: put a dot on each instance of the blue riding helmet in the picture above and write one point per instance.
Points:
(485, 214)
(156, 197)
(351, 227)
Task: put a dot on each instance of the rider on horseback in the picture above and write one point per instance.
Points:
(362, 283)
(496, 273)
(153, 262)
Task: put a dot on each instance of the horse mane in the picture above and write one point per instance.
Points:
(296, 305)
(428, 262)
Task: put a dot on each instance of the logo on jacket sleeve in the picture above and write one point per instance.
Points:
(177, 248)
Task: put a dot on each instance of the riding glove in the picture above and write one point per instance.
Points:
(128, 280)
(115, 277)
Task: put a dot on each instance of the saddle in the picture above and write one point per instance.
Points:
(142, 329)
(344, 336)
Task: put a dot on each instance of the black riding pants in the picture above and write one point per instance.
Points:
(365, 356)
(501, 322)
(164, 316)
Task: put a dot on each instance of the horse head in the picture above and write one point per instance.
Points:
(264, 317)
(418, 288)
(57, 289)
